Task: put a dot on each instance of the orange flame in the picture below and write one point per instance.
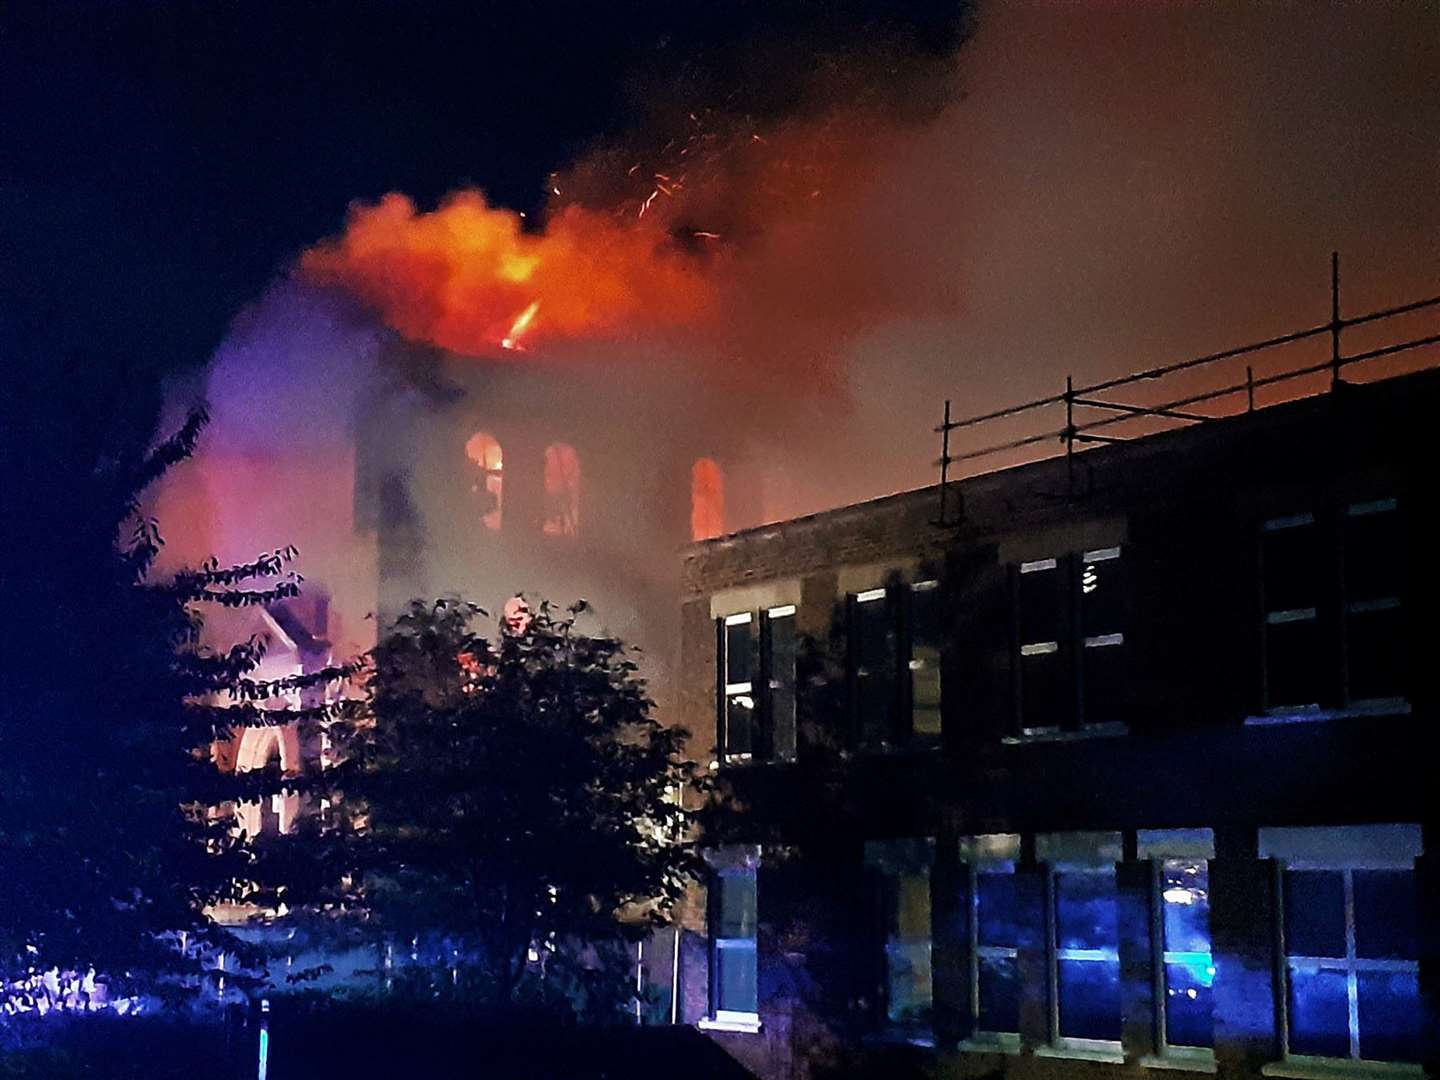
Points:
(457, 275)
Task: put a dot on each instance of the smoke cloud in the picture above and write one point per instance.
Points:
(1080, 190)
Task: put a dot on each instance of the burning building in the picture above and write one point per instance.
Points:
(489, 478)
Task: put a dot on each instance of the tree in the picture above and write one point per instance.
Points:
(108, 851)
(517, 796)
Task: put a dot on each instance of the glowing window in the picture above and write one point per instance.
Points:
(707, 500)
(486, 485)
(562, 490)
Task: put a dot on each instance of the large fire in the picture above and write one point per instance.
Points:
(468, 277)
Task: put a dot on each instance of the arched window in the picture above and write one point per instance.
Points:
(707, 500)
(486, 485)
(562, 490)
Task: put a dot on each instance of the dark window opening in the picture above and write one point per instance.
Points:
(1374, 585)
(1103, 598)
(1045, 693)
(1292, 564)
(926, 630)
(778, 662)
(872, 666)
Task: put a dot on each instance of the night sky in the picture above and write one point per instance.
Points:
(161, 160)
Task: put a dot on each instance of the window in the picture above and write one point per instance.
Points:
(733, 970)
(925, 637)
(1069, 610)
(1334, 632)
(872, 666)
(486, 484)
(1186, 973)
(707, 500)
(1085, 973)
(1351, 941)
(777, 649)
(1007, 915)
(1102, 634)
(1291, 561)
(1374, 584)
(1044, 690)
(737, 693)
(562, 490)
(903, 874)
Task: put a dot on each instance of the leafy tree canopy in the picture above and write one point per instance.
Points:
(517, 794)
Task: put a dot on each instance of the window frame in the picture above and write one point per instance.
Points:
(761, 688)
(1351, 965)
(908, 662)
(1071, 648)
(1334, 611)
(1158, 847)
(1003, 858)
(889, 669)
(718, 1018)
(727, 691)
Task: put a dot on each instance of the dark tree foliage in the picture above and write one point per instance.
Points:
(516, 795)
(108, 848)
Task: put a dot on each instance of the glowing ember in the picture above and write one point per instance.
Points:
(519, 326)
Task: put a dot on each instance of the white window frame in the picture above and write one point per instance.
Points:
(1350, 964)
(995, 853)
(1092, 861)
(736, 689)
(1161, 846)
(734, 1020)
(1364, 852)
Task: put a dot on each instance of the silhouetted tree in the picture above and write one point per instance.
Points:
(517, 796)
(109, 851)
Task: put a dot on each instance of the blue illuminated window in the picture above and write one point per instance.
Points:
(734, 973)
(1351, 953)
(1087, 960)
(1189, 967)
(1009, 916)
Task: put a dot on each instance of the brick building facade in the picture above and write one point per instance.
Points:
(1125, 771)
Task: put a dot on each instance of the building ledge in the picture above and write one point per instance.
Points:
(1083, 1050)
(1318, 1068)
(734, 1022)
(1087, 731)
(1184, 1058)
(1316, 715)
(990, 1043)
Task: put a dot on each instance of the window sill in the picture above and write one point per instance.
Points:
(1087, 731)
(734, 1022)
(984, 1042)
(1316, 715)
(1084, 1050)
(1185, 1058)
(1318, 1068)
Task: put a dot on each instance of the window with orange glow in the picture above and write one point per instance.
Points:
(707, 500)
(562, 490)
(487, 484)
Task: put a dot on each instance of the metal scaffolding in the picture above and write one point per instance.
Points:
(1084, 428)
